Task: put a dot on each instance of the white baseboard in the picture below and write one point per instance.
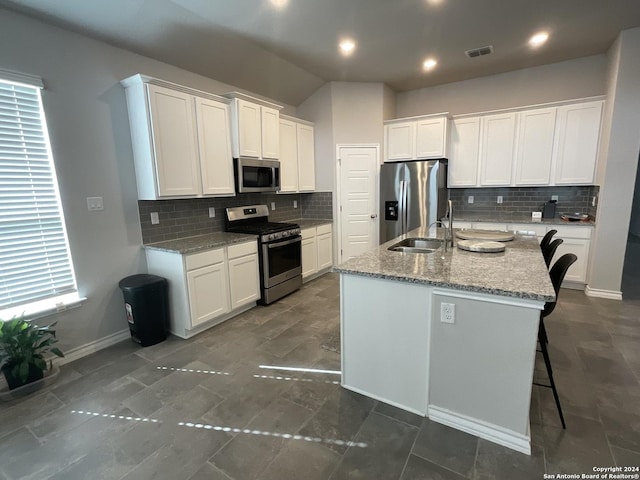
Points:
(493, 433)
(596, 292)
(92, 347)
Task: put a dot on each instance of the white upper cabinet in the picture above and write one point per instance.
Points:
(270, 136)
(306, 158)
(288, 156)
(416, 138)
(551, 145)
(496, 149)
(255, 126)
(249, 130)
(534, 146)
(465, 148)
(431, 137)
(400, 141)
(577, 138)
(180, 138)
(174, 145)
(214, 146)
(297, 156)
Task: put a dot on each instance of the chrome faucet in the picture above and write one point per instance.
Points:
(450, 215)
(448, 230)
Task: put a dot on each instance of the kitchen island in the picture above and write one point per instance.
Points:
(448, 335)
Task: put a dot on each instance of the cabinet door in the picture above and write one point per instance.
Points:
(400, 141)
(325, 251)
(578, 134)
(270, 136)
(208, 293)
(579, 247)
(496, 149)
(534, 148)
(249, 129)
(244, 280)
(309, 256)
(306, 159)
(465, 147)
(174, 142)
(214, 142)
(288, 156)
(431, 138)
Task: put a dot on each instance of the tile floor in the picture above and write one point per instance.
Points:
(119, 414)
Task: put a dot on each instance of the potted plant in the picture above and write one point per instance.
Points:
(23, 346)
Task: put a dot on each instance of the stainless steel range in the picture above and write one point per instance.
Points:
(279, 249)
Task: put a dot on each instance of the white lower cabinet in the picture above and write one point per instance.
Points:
(206, 288)
(317, 250)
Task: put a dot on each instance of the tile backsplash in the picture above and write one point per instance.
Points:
(188, 217)
(521, 201)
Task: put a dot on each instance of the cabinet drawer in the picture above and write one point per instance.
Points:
(242, 249)
(323, 229)
(572, 232)
(308, 233)
(210, 257)
(536, 229)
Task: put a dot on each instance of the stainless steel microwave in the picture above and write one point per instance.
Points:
(255, 175)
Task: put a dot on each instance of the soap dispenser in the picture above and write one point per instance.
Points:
(549, 210)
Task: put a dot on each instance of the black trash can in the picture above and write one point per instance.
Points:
(147, 307)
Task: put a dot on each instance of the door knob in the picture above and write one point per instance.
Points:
(375, 215)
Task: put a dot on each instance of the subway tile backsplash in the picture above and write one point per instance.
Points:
(188, 217)
(521, 201)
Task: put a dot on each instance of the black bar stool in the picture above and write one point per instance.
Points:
(550, 249)
(546, 240)
(557, 274)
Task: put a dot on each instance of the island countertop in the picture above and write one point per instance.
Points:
(518, 272)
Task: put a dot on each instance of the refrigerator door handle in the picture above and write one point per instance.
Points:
(403, 206)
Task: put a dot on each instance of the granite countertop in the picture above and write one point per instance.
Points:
(310, 222)
(519, 271)
(200, 242)
(498, 218)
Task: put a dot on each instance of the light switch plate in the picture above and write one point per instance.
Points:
(94, 204)
(499, 199)
(273, 205)
(212, 212)
(295, 204)
(470, 199)
(554, 197)
(155, 219)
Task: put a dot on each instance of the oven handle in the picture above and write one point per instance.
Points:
(277, 244)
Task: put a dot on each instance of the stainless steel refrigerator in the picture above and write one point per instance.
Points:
(412, 194)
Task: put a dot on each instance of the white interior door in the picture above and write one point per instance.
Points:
(358, 200)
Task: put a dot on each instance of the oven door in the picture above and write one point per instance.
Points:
(253, 175)
(281, 260)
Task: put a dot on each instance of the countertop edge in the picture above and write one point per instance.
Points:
(207, 242)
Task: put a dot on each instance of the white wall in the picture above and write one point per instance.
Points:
(582, 77)
(388, 103)
(86, 113)
(318, 109)
(357, 112)
(618, 163)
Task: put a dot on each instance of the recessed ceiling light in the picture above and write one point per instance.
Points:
(435, 3)
(347, 46)
(538, 39)
(429, 64)
(279, 3)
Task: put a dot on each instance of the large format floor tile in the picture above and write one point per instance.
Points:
(214, 407)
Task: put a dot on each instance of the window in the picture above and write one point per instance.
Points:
(35, 263)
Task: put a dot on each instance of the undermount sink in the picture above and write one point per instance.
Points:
(416, 245)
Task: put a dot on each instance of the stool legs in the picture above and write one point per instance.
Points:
(542, 339)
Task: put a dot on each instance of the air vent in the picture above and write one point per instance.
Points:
(478, 52)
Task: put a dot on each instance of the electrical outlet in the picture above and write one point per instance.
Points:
(554, 197)
(155, 219)
(273, 205)
(94, 204)
(470, 199)
(499, 199)
(594, 201)
(212, 212)
(448, 312)
(295, 204)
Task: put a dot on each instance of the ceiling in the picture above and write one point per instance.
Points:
(286, 53)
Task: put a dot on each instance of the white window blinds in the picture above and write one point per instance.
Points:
(35, 263)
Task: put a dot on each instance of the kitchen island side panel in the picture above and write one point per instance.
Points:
(482, 365)
(385, 340)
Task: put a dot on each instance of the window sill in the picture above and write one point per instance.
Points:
(44, 308)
